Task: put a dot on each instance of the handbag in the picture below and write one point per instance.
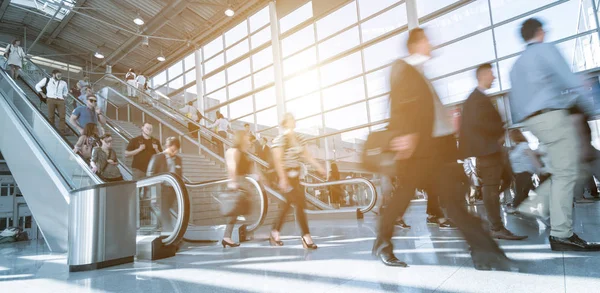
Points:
(234, 202)
(7, 53)
(377, 156)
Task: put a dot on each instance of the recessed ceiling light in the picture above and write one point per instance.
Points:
(138, 20)
(161, 58)
(99, 55)
(229, 12)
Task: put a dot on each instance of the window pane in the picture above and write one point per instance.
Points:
(216, 98)
(237, 33)
(580, 52)
(370, 7)
(214, 82)
(265, 98)
(339, 43)
(190, 76)
(379, 108)
(175, 70)
(336, 21)
(385, 52)
(176, 83)
(262, 59)
(266, 118)
(159, 79)
(192, 90)
(296, 17)
(459, 22)
(302, 84)
(300, 61)
(259, 19)
(340, 69)
(213, 47)
(378, 82)
(304, 106)
(239, 88)
(237, 50)
(505, 9)
(264, 77)
(238, 70)
(298, 41)
(428, 7)
(189, 61)
(344, 93)
(214, 63)
(457, 88)
(310, 126)
(241, 108)
(384, 23)
(479, 48)
(261, 37)
(346, 117)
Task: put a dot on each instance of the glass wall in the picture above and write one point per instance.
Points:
(175, 80)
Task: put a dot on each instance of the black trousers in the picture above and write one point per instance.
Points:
(495, 179)
(523, 184)
(442, 177)
(295, 197)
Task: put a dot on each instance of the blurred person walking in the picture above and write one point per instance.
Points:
(192, 113)
(539, 77)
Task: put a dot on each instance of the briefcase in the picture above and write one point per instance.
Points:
(377, 156)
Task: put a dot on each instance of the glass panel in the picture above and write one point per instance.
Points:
(296, 17)
(340, 43)
(505, 9)
(266, 118)
(238, 70)
(378, 82)
(241, 87)
(310, 126)
(344, 93)
(241, 107)
(300, 61)
(346, 117)
(214, 82)
(216, 98)
(214, 63)
(159, 79)
(384, 23)
(212, 48)
(336, 21)
(459, 22)
(192, 90)
(265, 98)
(379, 108)
(261, 37)
(341, 69)
(237, 33)
(176, 83)
(264, 77)
(370, 7)
(479, 48)
(428, 7)
(386, 51)
(298, 41)
(262, 59)
(302, 84)
(237, 50)
(581, 53)
(189, 61)
(304, 106)
(457, 88)
(190, 76)
(259, 19)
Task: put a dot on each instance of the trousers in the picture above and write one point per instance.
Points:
(295, 197)
(53, 106)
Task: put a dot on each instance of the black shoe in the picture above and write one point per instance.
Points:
(401, 224)
(506, 235)
(447, 225)
(573, 243)
(433, 220)
(489, 261)
(225, 244)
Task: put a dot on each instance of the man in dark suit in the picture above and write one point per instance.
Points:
(481, 136)
(427, 159)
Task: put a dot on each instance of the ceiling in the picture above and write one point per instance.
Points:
(107, 26)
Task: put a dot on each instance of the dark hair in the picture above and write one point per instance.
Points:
(191, 103)
(246, 124)
(105, 136)
(529, 28)
(55, 71)
(482, 67)
(173, 141)
(219, 115)
(517, 136)
(414, 36)
(131, 69)
(335, 172)
(14, 42)
(90, 129)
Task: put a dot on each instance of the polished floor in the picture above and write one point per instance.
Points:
(438, 263)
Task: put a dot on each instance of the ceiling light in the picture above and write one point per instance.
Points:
(161, 57)
(229, 12)
(138, 20)
(99, 55)
(146, 41)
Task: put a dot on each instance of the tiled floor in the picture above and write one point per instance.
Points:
(438, 263)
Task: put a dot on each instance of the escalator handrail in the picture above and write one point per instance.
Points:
(183, 202)
(61, 141)
(259, 189)
(364, 181)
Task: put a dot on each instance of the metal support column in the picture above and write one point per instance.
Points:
(199, 84)
(277, 61)
(412, 14)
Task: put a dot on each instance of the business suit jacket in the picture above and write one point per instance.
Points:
(481, 127)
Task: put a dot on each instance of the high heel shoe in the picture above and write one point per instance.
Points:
(311, 246)
(225, 244)
(274, 242)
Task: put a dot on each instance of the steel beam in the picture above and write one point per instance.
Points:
(3, 8)
(64, 23)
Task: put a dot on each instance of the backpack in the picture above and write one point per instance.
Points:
(44, 90)
(13, 234)
(7, 53)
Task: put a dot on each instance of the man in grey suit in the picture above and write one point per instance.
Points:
(540, 78)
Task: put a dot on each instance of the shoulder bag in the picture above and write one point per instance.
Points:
(234, 202)
(377, 156)
(7, 53)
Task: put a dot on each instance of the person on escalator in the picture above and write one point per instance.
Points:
(14, 54)
(140, 81)
(89, 113)
(87, 141)
(142, 148)
(335, 191)
(104, 161)
(222, 125)
(54, 90)
(192, 113)
(130, 77)
(167, 162)
(288, 150)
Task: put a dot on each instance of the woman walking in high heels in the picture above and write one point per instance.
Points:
(288, 148)
(238, 165)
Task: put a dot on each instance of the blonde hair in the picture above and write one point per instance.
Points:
(286, 117)
(238, 138)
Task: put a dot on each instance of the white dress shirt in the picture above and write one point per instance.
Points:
(222, 124)
(55, 89)
(140, 79)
